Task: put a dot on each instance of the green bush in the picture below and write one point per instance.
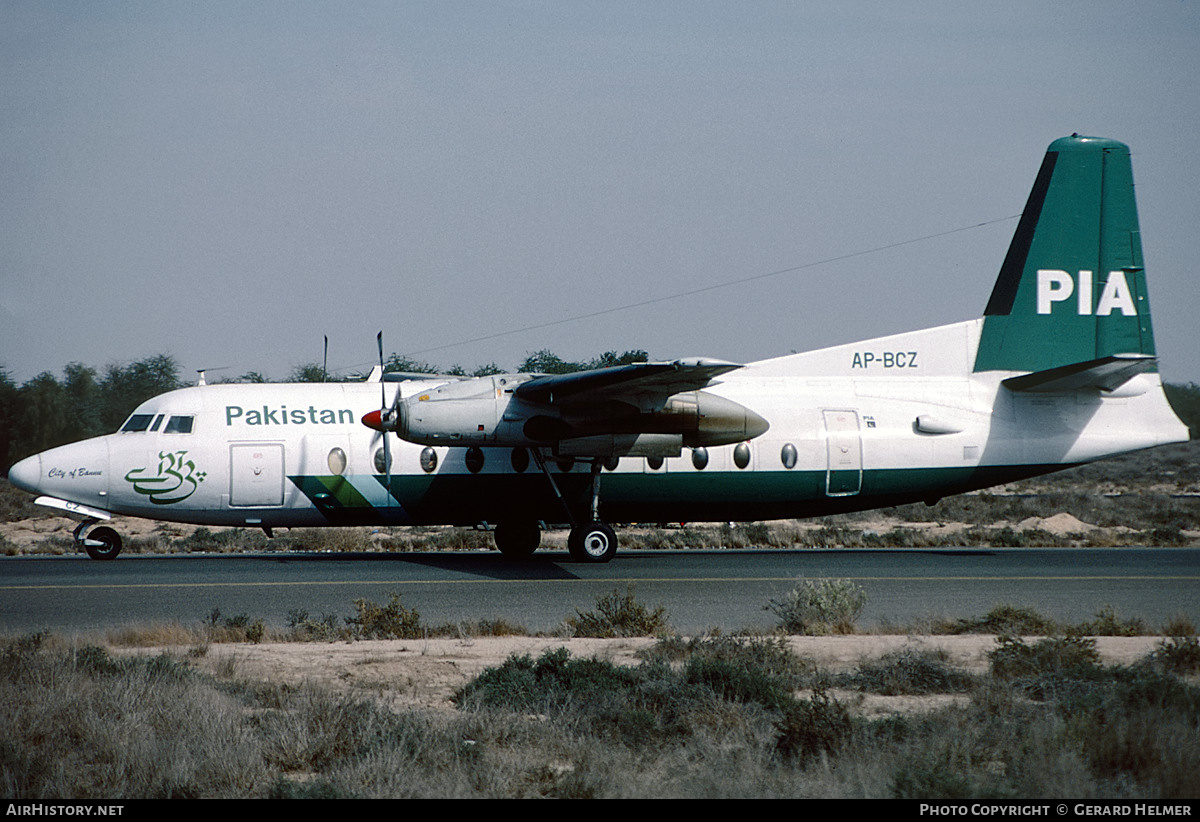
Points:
(1179, 654)
(552, 681)
(653, 704)
(303, 628)
(390, 621)
(911, 671)
(821, 606)
(1054, 655)
(1005, 620)
(618, 615)
(812, 727)
(737, 683)
(769, 653)
(237, 628)
(1106, 623)
(1180, 651)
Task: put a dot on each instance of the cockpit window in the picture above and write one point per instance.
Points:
(150, 422)
(138, 422)
(179, 425)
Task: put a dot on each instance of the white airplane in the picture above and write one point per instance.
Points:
(1059, 371)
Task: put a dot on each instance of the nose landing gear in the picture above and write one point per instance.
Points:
(100, 543)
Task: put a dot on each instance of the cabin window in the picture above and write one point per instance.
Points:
(654, 463)
(788, 456)
(520, 460)
(474, 459)
(699, 458)
(428, 460)
(381, 461)
(741, 455)
(337, 461)
(138, 422)
(179, 425)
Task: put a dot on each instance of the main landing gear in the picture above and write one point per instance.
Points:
(518, 539)
(100, 543)
(590, 541)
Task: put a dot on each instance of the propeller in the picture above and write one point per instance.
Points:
(383, 420)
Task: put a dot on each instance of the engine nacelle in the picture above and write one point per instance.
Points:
(485, 411)
(621, 445)
(468, 412)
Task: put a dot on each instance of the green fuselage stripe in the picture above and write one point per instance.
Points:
(632, 497)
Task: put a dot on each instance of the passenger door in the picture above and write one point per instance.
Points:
(843, 445)
(256, 474)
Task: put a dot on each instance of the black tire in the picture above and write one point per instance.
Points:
(517, 540)
(592, 542)
(110, 543)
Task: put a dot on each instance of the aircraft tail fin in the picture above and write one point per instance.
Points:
(1072, 289)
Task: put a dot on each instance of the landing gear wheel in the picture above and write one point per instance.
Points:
(517, 540)
(108, 543)
(592, 542)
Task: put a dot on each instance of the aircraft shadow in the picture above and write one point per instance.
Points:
(494, 566)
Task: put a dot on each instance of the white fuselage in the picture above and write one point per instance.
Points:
(891, 420)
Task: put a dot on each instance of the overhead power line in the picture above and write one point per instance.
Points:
(702, 290)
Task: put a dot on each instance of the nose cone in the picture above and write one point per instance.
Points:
(76, 473)
(27, 473)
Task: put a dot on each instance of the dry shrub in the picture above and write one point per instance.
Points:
(618, 615)
(821, 606)
(390, 621)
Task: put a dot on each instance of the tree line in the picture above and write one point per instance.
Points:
(48, 411)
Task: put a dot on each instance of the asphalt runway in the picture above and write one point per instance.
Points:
(700, 590)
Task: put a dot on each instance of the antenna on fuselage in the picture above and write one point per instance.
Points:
(325, 361)
(201, 372)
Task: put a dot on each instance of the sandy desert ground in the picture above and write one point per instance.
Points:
(426, 673)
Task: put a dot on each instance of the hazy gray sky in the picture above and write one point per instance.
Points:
(228, 182)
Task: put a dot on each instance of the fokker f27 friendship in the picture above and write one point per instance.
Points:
(1060, 370)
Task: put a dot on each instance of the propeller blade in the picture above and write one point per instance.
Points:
(378, 416)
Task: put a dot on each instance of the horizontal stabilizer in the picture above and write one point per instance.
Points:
(1105, 374)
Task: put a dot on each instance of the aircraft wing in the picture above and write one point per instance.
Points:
(622, 382)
